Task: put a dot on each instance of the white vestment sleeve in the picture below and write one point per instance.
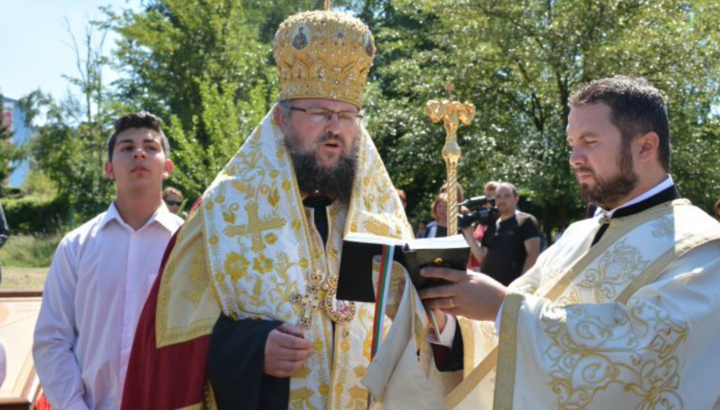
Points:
(660, 347)
(55, 334)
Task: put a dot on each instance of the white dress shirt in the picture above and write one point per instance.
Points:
(95, 290)
(665, 184)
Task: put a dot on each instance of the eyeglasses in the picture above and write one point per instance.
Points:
(322, 116)
(173, 203)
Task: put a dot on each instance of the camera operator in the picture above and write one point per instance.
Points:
(489, 192)
(511, 243)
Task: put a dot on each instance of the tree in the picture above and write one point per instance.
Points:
(518, 62)
(70, 148)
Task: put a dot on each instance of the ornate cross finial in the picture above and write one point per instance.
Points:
(452, 113)
(450, 87)
(327, 5)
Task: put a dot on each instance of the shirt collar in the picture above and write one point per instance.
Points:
(665, 184)
(162, 215)
(110, 215)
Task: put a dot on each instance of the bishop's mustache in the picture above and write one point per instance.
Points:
(331, 137)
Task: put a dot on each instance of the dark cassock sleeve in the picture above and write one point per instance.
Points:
(450, 359)
(169, 378)
(235, 367)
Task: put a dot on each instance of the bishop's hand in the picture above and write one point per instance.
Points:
(286, 351)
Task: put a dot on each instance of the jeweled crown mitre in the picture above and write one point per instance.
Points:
(323, 54)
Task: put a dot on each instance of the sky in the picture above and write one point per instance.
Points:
(37, 48)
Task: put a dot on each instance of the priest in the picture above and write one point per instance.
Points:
(619, 314)
(244, 315)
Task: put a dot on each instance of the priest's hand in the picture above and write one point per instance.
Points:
(286, 351)
(470, 294)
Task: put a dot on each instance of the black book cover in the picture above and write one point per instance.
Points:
(356, 283)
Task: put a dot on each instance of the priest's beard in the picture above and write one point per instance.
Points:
(336, 181)
(607, 192)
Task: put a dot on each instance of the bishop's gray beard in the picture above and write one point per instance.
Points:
(607, 192)
(336, 182)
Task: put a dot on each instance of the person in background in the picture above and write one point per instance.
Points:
(460, 192)
(438, 210)
(716, 208)
(403, 197)
(511, 245)
(102, 273)
(479, 232)
(422, 226)
(173, 198)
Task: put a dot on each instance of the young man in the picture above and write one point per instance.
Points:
(101, 275)
(620, 314)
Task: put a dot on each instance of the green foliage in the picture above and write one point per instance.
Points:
(28, 251)
(70, 147)
(72, 156)
(39, 185)
(29, 214)
(518, 62)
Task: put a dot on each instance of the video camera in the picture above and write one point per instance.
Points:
(484, 211)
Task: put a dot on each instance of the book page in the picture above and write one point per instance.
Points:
(374, 239)
(448, 242)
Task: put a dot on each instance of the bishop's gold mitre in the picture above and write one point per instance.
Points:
(323, 54)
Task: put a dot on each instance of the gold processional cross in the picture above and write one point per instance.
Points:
(452, 113)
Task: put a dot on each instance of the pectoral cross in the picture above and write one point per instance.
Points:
(452, 113)
(309, 303)
(255, 227)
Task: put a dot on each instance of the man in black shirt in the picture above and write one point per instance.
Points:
(511, 244)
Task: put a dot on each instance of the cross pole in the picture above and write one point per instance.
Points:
(452, 113)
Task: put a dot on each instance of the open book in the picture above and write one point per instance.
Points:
(356, 279)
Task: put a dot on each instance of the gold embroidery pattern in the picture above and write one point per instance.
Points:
(350, 393)
(342, 359)
(300, 399)
(635, 348)
(663, 227)
(375, 205)
(199, 279)
(617, 267)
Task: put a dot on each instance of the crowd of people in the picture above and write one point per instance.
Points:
(232, 305)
